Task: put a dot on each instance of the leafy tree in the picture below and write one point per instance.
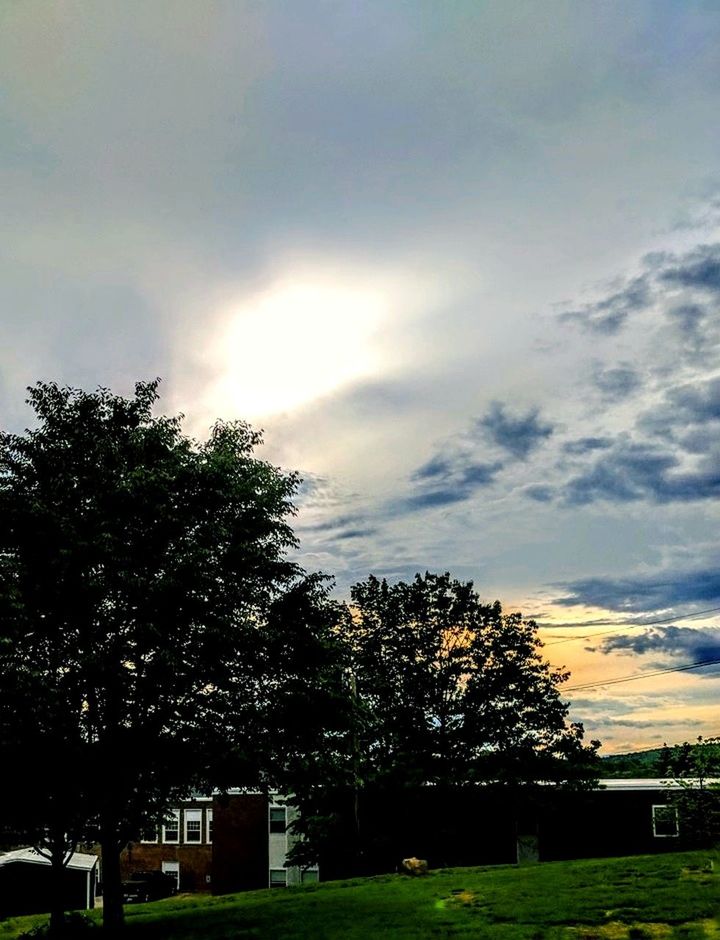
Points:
(455, 691)
(447, 691)
(145, 591)
(694, 770)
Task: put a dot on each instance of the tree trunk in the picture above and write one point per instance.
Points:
(113, 914)
(57, 884)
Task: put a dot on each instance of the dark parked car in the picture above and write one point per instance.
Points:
(148, 886)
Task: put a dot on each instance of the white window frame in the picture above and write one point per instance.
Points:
(277, 884)
(208, 826)
(193, 815)
(665, 835)
(173, 814)
(170, 867)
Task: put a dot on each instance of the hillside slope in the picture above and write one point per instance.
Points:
(668, 896)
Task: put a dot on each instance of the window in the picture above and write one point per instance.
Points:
(278, 878)
(209, 818)
(150, 834)
(171, 827)
(665, 822)
(310, 876)
(172, 868)
(278, 819)
(193, 825)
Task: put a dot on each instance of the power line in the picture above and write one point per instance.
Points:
(642, 675)
(631, 623)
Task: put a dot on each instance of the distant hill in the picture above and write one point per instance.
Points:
(684, 760)
(635, 764)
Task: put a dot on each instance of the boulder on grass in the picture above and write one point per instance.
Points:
(415, 866)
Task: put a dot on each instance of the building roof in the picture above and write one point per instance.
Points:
(30, 856)
(652, 783)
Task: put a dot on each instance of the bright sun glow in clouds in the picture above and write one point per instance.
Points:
(301, 339)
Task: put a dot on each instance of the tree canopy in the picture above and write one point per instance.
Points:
(145, 590)
(453, 690)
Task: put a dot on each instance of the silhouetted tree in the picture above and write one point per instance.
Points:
(151, 617)
(693, 771)
(455, 691)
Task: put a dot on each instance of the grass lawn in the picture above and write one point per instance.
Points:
(665, 896)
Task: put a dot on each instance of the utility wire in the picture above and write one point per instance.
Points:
(631, 623)
(641, 675)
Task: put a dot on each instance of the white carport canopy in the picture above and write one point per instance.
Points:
(78, 860)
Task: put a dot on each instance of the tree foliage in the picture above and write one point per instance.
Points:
(693, 772)
(455, 691)
(150, 615)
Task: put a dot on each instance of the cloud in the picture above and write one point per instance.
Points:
(685, 274)
(539, 492)
(430, 500)
(345, 535)
(617, 383)
(519, 434)
(608, 315)
(692, 643)
(659, 591)
(699, 402)
(437, 467)
(688, 420)
(643, 723)
(633, 471)
(688, 318)
(698, 269)
(452, 478)
(586, 445)
(617, 706)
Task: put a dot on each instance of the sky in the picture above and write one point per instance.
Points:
(460, 261)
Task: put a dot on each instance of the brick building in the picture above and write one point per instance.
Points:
(240, 841)
(233, 842)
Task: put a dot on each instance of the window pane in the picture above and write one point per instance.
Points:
(665, 821)
(193, 825)
(278, 877)
(310, 876)
(278, 821)
(171, 827)
(149, 835)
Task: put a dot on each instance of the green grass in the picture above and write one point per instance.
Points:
(667, 896)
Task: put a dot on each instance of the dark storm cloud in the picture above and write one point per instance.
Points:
(694, 644)
(663, 590)
(608, 316)
(519, 434)
(618, 382)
